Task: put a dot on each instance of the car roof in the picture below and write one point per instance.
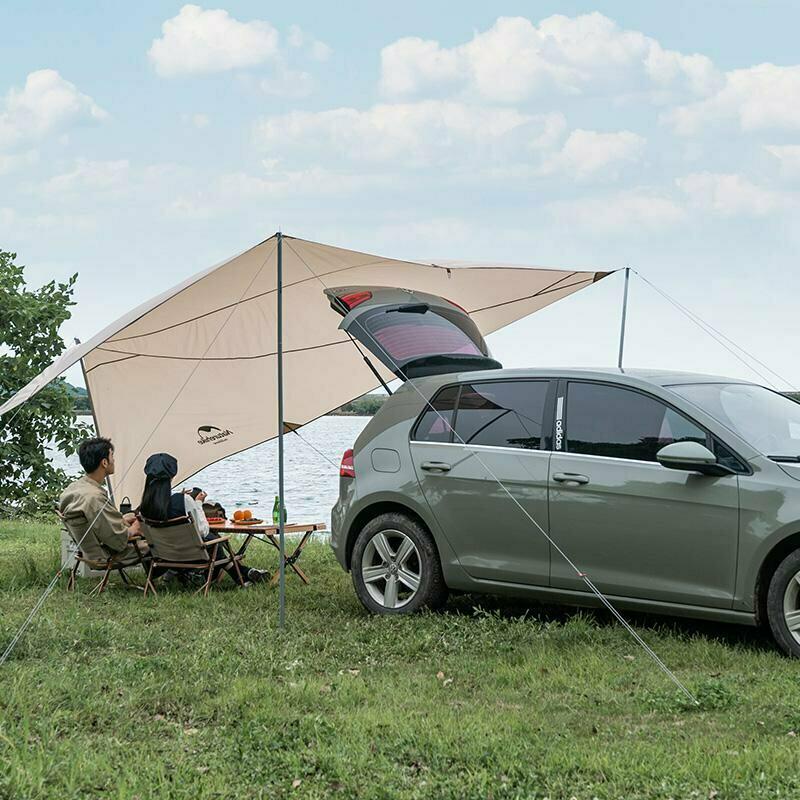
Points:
(644, 376)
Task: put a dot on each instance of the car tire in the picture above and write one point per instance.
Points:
(392, 554)
(783, 597)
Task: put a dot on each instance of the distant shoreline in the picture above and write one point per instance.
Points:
(365, 406)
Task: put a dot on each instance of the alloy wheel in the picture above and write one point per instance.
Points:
(791, 606)
(391, 568)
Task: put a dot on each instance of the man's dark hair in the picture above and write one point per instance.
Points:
(93, 451)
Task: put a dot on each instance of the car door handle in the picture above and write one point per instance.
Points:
(435, 466)
(570, 477)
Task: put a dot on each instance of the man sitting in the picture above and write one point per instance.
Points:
(91, 518)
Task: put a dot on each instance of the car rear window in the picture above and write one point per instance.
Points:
(435, 423)
(408, 335)
(495, 413)
(502, 414)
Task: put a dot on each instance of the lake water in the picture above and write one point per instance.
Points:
(250, 479)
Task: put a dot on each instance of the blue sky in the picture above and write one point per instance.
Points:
(140, 143)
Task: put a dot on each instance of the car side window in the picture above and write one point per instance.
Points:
(435, 424)
(502, 414)
(727, 458)
(613, 421)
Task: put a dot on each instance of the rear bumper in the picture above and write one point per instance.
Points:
(338, 537)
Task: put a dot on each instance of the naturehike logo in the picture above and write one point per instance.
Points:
(209, 434)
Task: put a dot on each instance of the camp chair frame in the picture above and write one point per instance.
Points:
(116, 562)
(218, 552)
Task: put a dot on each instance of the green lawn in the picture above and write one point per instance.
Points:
(176, 696)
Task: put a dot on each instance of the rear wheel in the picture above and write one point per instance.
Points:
(396, 568)
(783, 604)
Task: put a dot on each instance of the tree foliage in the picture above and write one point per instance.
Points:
(365, 406)
(29, 342)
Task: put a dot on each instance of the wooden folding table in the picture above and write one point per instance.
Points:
(270, 534)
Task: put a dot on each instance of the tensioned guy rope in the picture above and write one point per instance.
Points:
(40, 602)
(582, 575)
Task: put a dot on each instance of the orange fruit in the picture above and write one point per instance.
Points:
(247, 514)
(238, 516)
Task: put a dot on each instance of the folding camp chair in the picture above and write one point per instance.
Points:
(96, 557)
(177, 545)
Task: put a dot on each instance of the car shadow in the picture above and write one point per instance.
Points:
(756, 639)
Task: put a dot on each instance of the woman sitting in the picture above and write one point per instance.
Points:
(160, 504)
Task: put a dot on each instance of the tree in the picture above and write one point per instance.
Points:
(29, 342)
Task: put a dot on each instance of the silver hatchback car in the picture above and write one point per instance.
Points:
(675, 493)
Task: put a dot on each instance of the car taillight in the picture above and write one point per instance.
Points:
(347, 468)
(355, 298)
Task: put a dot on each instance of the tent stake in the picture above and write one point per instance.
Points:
(624, 314)
(282, 548)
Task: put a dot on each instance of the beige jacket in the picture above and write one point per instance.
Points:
(85, 506)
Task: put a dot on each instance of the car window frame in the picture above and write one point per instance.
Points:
(546, 439)
(711, 438)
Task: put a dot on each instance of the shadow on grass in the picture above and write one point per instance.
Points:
(741, 636)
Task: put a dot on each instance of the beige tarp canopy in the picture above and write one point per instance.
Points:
(192, 372)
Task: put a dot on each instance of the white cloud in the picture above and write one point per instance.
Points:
(588, 153)
(227, 193)
(14, 161)
(515, 60)
(299, 38)
(624, 211)
(15, 226)
(46, 104)
(202, 41)
(728, 195)
(90, 176)
(200, 120)
(788, 157)
(422, 134)
(757, 98)
(287, 82)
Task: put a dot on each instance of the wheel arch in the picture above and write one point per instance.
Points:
(375, 510)
(768, 566)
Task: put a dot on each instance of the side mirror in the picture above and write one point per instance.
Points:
(692, 457)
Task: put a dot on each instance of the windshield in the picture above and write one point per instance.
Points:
(767, 420)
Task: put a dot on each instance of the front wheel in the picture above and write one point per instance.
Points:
(783, 604)
(396, 568)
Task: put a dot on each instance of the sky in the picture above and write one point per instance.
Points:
(143, 142)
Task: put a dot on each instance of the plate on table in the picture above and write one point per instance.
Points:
(249, 522)
(216, 520)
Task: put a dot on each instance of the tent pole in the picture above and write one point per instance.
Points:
(624, 315)
(282, 548)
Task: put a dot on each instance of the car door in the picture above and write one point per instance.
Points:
(482, 462)
(636, 528)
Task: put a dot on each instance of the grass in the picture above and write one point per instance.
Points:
(176, 696)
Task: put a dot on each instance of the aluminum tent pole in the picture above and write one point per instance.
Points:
(282, 547)
(624, 315)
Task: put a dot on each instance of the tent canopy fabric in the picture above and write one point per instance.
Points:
(192, 372)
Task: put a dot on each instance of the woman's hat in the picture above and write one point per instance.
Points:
(161, 465)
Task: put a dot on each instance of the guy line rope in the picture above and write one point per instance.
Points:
(40, 602)
(582, 575)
